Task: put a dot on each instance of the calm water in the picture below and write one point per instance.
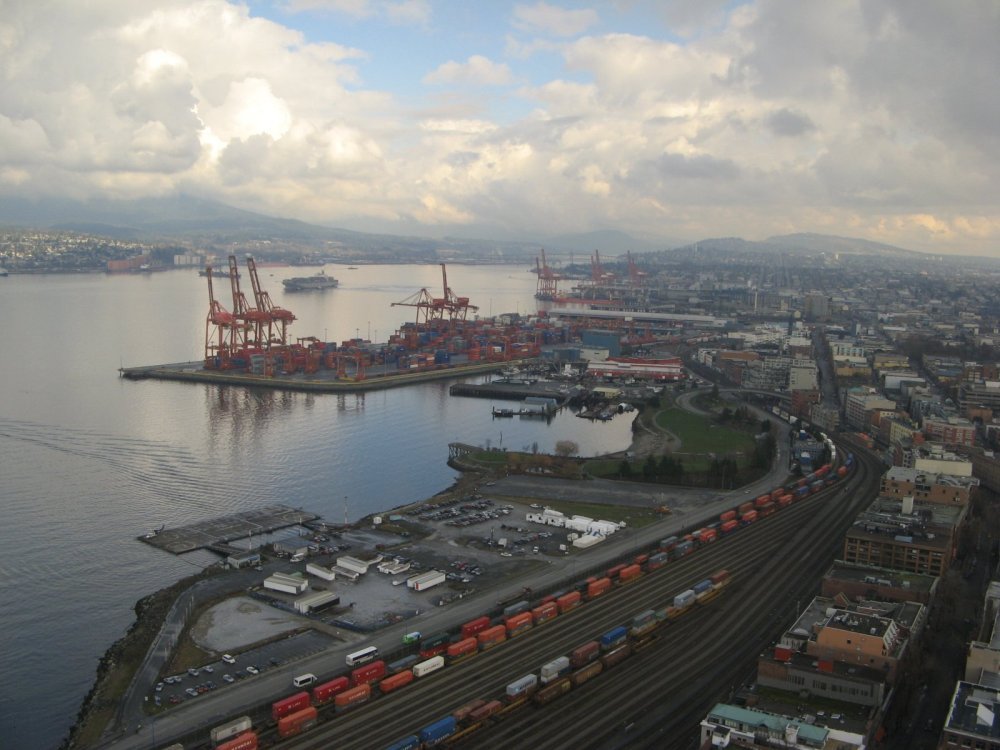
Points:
(88, 462)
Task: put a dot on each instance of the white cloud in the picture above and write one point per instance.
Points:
(780, 116)
(542, 18)
(477, 70)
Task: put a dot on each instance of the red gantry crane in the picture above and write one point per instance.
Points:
(277, 319)
(547, 286)
(252, 319)
(438, 314)
(220, 330)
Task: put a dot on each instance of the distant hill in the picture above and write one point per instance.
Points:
(804, 245)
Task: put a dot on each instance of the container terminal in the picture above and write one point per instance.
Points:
(250, 344)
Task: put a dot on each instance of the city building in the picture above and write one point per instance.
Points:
(735, 726)
(866, 582)
(972, 718)
(951, 431)
(924, 486)
(861, 404)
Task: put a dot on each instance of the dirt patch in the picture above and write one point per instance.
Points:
(241, 621)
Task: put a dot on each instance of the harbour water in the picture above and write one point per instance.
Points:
(89, 462)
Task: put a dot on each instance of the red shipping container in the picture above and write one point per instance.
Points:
(547, 599)
(708, 535)
(474, 627)
(484, 712)
(568, 601)
(289, 705)
(369, 673)
(246, 741)
(300, 721)
(630, 573)
(775, 494)
(749, 517)
(640, 559)
(784, 501)
(729, 515)
(464, 647)
(615, 570)
(584, 654)
(598, 587)
(518, 624)
(745, 507)
(761, 500)
(398, 680)
(719, 577)
(324, 693)
(460, 713)
(767, 509)
(353, 697)
(729, 526)
(544, 613)
(612, 658)
(492, 636)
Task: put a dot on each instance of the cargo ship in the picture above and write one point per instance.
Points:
(308, 283)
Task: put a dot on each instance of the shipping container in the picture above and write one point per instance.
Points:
(669, 543)
(761, 500)
(682, 549)
(491, 637)
(614, 570)
(766, 509)
(612, 658)
(368, 674)
(462, 712)
(656, 561)
(584, 654)
(598, 587)
(289, 705)
(613, 638)
(701, 586)
(684, 599)
(775, 494)
(842, 471)
(554, 669)
(246, 741)
(544, 613)
(784, 501)
(438, 732)
(707, 536)
(396, 681)
(629, 573)
(749, 517)
(401, 665)
(230, 729)
(591, 670)
(729, 526)
(720, 578)
(353, 697)
(484, 712)
(424, 668)
(550, 692)
(515, 609)
(518, 624)
(745, 507)
(640, 559)
(569, 601)
(298, 722)
(521, 687)
(475, 627)
(465, 647)
(325, 692)
(434, 645)
(729, 515)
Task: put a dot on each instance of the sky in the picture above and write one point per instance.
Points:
(671, 121)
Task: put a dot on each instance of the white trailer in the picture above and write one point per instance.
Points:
(429, 580)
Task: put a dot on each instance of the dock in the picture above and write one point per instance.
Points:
(319, 382)
(514, 391)
(216, 532)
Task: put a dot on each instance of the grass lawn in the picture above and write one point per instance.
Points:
(634, 517)
(698, 435)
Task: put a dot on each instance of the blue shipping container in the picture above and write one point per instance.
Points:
(613, 637)
(702, 586)
(438, 732)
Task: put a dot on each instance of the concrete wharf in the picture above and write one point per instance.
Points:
(514, 391)
(214, 532)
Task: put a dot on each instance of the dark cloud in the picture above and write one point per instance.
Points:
(788, 123)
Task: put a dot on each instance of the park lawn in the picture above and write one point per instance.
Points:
(699, 435)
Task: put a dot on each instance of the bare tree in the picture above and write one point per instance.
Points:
(566, 448)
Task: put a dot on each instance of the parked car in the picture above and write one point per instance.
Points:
(229, 659)
(253, 670)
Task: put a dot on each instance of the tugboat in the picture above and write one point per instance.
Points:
(309, 283)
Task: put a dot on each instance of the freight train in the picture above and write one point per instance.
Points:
(299, 712)
(564, 673)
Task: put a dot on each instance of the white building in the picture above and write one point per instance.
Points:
(580, 524)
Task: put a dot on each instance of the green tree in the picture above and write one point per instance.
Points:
(625, 469)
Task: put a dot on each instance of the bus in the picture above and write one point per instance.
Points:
(363, 656)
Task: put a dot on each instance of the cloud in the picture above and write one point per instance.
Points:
(477, 70)
(786, 122)
(551, 20)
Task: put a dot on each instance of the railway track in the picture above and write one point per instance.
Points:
(672, 676)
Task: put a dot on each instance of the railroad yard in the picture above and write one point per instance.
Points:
(657, 699)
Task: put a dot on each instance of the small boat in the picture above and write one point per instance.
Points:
(352, 268)
(309, 283)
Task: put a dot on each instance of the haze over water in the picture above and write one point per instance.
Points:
(90, 462)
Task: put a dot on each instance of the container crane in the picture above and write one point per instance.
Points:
(458, 307)
(220, 331)
(252, 319)
(547, 286)
(277, 318)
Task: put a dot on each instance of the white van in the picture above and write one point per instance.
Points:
(304, 679)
